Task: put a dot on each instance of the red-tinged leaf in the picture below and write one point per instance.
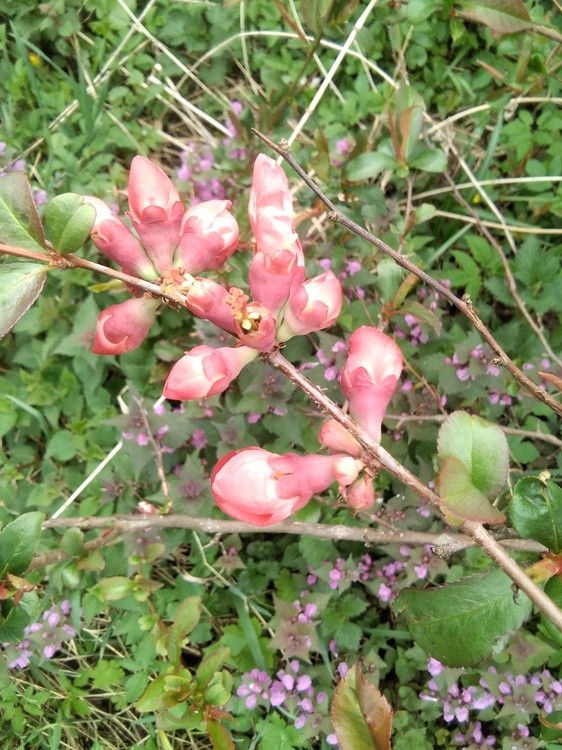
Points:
(360, 714)
(502, 16)
(460, 499)
(376, 710)
(543, 570)
(552, 379)
(20, 225)
(20, 285)
(220, 737)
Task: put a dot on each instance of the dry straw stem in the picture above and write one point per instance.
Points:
(464, 305)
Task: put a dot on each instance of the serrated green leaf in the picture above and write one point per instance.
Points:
(68, 221)
(369, 165)
(20, 285)
(361, 715)
(535, 511)
(464, 622)
(480, 446)
(460, 499)
(18, 542)
(502, 16)
(20, 225)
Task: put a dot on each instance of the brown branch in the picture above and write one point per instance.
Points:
(445, 544)
(377, 455)
(464, 305)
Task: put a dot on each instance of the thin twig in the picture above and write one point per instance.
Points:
(121, 525)
(464, 305)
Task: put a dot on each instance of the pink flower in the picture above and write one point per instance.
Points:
(155, 210)
(209, 235)
(312, 306)
(336, 438)
(369, 377)
(263, 488)
(271, 207)
(204, 372)
(209, 300)
(273, 274)
(113, 238)
(256, 327)
(123, 327)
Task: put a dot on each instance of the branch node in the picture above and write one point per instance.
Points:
(334, 216)
(284, 145)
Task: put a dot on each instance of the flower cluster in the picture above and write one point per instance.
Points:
(172, 245)
(44, 637)
(512, 694)
(294, 692)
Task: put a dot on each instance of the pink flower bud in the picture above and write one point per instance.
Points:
(209, 235)
(147, 509)
(346, 469)
(336, 438)
(209, 300)
(204, 371)
(155, 210)
(114, 239)
(369, 377)
(312, 306)
(123, 327)
(271, 207)
(262, 488)
(273, 274)
(361, 494)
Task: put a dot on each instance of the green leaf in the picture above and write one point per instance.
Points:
(220, 737)
(369, 165)
(480, 446)
(114, 588)
(464, 622)
(422, 313)
(535, 511)
(154, 697)
(18, 542)
(502, 16)
(20, 225)
(210, 664)
(68, 221)
(553, 589)
(460, 499)
(361, 715)
(429, 160)
(20, 285)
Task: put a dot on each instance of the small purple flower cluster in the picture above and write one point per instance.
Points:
(44, 637)
(197, 160)
(516, 696)
(386, 580)
(294, 693)
(351, 268)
